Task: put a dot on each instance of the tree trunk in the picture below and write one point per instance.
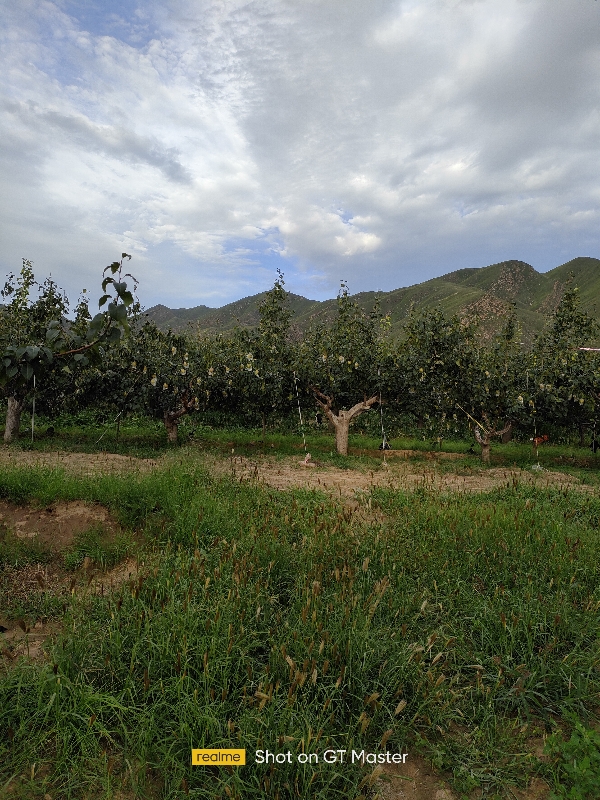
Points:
(342, 428)
(485, 451)
(486, 440)
(13, 419)
(507, 437)
(172, 418)
(171, 426)
(341, 422)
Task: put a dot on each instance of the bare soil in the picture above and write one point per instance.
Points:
(418, 780)
(399, 469)
(56, 526)
(55, 529)
(414, 780)
(289, 473)
(22, 639)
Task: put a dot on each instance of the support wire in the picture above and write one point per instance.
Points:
(299, 411)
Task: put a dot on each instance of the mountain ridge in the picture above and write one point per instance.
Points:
(484, 292)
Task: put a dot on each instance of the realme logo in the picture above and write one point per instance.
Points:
(215, 758)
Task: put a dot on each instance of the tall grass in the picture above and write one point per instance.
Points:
(284, 620)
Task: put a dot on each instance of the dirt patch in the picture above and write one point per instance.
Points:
(102, 582)
(50, 532)
(414, 780)
(538, 789)
(404, 475)
(79, 463)
(56, 526)
(19, 640)
(418, 780)
(23, 639)
(19, 584)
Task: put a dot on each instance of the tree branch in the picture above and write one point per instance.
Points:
(186, 407)
(480, 438)
(326, 406)
(85, 347)
(365, 405)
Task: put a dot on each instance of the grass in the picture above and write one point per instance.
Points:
(144, 437)
(455, 626)
(17, 552)
(92, 544)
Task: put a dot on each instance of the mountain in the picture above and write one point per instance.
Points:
(487, 292)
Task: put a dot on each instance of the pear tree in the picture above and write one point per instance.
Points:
(340, 362)
(36, 336)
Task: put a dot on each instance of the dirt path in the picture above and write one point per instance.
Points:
(407, 475)
(399, 471)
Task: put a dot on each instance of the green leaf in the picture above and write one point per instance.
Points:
(95, 326)
(117, 312)
(103, 300)
(126, 298)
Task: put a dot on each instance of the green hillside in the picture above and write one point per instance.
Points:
(486, 293)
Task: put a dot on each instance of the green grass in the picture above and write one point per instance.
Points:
(280, 620)
(17, 552)
(143, 437)
(92, 544)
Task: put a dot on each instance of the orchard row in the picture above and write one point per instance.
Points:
(440, 370)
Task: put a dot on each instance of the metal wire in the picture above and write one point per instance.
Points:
(108, 424)
(383, 436)
(299, 411)
(33, 411)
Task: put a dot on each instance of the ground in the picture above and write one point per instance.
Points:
(57, 526)
(404, 469)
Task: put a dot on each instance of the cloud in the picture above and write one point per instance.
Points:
(383, 142)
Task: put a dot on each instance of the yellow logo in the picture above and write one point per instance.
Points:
(218, 758)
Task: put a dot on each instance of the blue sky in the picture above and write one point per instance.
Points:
(384, 143)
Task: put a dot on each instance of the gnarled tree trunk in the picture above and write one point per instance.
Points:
(341, 421)
(485, 439)
(13, 418)
(171, 423)
(172, 418)
(485, 442)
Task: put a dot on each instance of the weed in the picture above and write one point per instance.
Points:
(285, 621)
(576, 763)
(17, 552)
(92, 544)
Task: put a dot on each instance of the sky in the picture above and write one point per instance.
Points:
(381, 143)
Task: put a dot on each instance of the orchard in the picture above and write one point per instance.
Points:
(440, 375)
(195, 584)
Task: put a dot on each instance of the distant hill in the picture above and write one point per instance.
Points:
(487, 293)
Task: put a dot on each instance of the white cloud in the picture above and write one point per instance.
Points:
(383, 142)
